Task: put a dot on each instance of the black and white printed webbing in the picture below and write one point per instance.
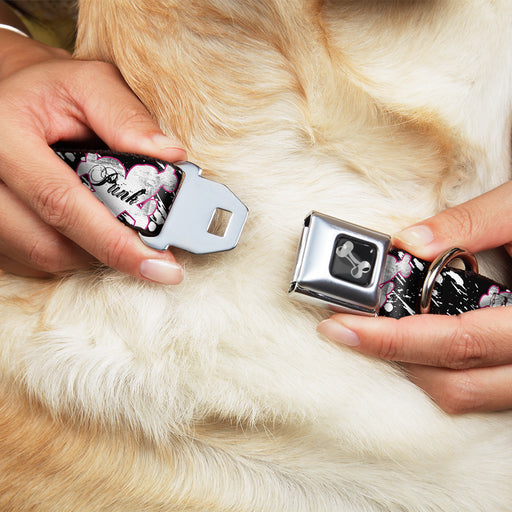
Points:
(455, 291)
(138, 190)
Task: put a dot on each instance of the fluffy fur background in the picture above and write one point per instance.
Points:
(217, 394)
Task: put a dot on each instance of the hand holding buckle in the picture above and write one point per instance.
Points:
(169, 204)
(351, 269)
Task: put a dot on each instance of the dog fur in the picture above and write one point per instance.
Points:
(217, 394)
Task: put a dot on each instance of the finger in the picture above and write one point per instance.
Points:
(14, 267)
(65, 204)
(473, 339)
(66, 100)
(53, 191)
(463, 391)
(475, 225)
(118, 117)
(29, 242)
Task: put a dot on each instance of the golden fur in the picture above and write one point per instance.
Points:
(217, 394)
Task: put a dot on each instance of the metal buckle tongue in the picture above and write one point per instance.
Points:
(168, 204)
(340, 265)
(188, 222)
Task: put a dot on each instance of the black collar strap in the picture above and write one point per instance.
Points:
(168, 204)
(352, 269)
(454, 291)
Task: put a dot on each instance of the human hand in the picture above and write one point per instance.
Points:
(463, 362)
(51, 222)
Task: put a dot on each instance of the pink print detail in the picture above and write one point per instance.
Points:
(129, 193)
(386, 291)
(392, 269)
(494, 298)
(395, 267)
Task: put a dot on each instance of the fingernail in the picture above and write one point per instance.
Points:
(161, 271)
(338, 333)
(166, 144)
(416, 236)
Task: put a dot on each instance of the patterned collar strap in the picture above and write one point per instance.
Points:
(352, 269)
(169, 204)
(454, 291)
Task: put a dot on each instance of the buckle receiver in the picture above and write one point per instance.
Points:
(339, 265)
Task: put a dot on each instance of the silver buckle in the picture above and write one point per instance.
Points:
(339, 265)
(187, 225)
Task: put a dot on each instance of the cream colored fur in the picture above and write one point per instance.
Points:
(218, 395)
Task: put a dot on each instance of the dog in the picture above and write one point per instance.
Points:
(218, 394)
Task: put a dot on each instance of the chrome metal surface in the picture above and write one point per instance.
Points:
(313, 280)
(187, 224)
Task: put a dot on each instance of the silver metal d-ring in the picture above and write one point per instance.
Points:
(435, 268)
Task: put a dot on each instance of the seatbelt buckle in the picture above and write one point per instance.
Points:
(198, 204)
(351, 269)
(169, 204)
(340, 265)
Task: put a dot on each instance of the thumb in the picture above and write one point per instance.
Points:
(119, 118)
(479, 224)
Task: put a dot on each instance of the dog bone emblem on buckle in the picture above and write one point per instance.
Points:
(351, 269)
(340, 265)
(169, 204)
